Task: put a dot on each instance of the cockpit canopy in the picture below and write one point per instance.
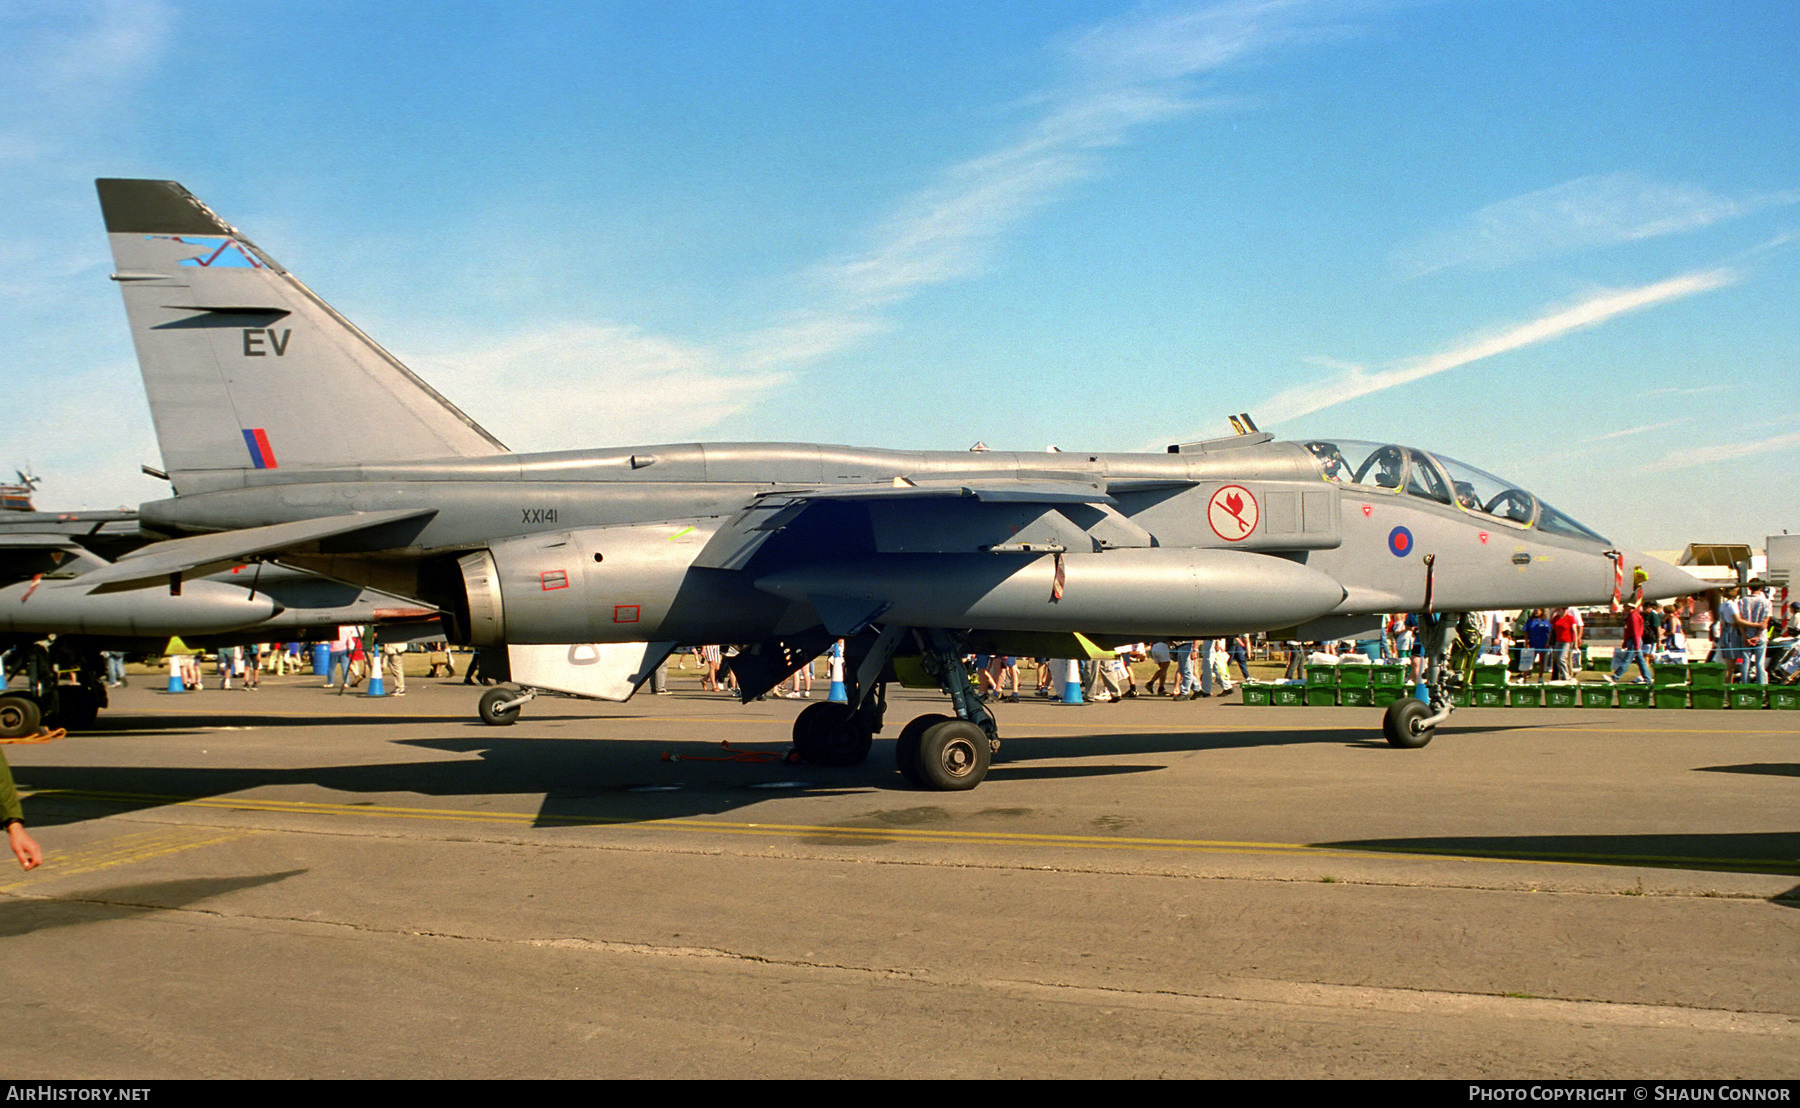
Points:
(1409, 471)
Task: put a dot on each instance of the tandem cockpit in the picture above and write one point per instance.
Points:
(1408, 471)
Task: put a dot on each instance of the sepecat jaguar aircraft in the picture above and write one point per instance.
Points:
(285, 431)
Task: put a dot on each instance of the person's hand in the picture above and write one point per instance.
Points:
(24, 847)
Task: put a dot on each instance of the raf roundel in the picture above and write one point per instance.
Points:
(1232, 513)
(1400, 541)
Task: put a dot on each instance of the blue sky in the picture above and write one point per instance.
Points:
(1559, 241)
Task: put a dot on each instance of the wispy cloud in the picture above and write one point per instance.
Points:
(572, 385)
(1675, 390)
(1694, 457)
(1127, 74)
(1601, 443)
(1631, 431)
(1122, 76)
(1588, 212)
(1596, 309)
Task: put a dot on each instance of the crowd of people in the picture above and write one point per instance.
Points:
(1538, 644)
(355, 655)
(1547, 643)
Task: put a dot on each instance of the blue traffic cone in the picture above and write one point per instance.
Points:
(838, 694)
(1072, 684)
(376, 688)
(175, 682)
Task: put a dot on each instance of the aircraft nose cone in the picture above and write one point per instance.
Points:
(1663, 581)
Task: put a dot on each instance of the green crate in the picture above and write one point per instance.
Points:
(1256, 693)
(1784, 697)
(1321, 697)
(1382, 695)
(1356, 698)
(1596, 696)
(1710, 699)
(1524, 697)
(1672, 696)
(1288, 696)
(1561, 696)
(1354, 676)
(1486, 677)
(1387, 677)
(1745, 696)
(1489, 698)
(1669, 673)
(1634, 696)
(1708, 674)
(1462, 698)
(1321, 677)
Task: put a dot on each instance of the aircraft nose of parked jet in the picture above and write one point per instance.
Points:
(1663, 581)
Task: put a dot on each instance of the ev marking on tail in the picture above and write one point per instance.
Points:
(255, 337)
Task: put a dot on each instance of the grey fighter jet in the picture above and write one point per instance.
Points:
(287, 431)
(54, 627)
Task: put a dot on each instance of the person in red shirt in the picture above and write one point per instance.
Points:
(1632, 646)
(1563, 640)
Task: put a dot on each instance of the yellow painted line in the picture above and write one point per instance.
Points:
(912, 834)
(527, 819)
(1674, 730)
(304, 807)
(122, 850)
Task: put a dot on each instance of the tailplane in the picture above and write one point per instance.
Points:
(245, 367)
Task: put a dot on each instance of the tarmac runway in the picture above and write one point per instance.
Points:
(290, 883)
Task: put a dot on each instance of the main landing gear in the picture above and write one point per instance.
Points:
(48, 699)
(949, 753)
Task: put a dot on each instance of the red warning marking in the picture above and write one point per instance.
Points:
(554, 579)
(626, 613)
(1368, 510)
(1483, 536)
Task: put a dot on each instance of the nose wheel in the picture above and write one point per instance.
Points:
(1402, 725)
(500, 707)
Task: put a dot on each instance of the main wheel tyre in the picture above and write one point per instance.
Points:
(906, 747)
(832, 735)
(18, 717)
(953, 756)
(492, 714)
(1401, 723)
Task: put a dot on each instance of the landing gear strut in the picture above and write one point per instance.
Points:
(1410, 723)
(500, 707)
(936, 751)
(948, 753)
(48, 698)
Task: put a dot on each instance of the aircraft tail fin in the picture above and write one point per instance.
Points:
(247, 368)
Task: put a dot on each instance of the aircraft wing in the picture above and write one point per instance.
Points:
(204, 554)
(945, 516)
(32, 543)
(991, 492)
